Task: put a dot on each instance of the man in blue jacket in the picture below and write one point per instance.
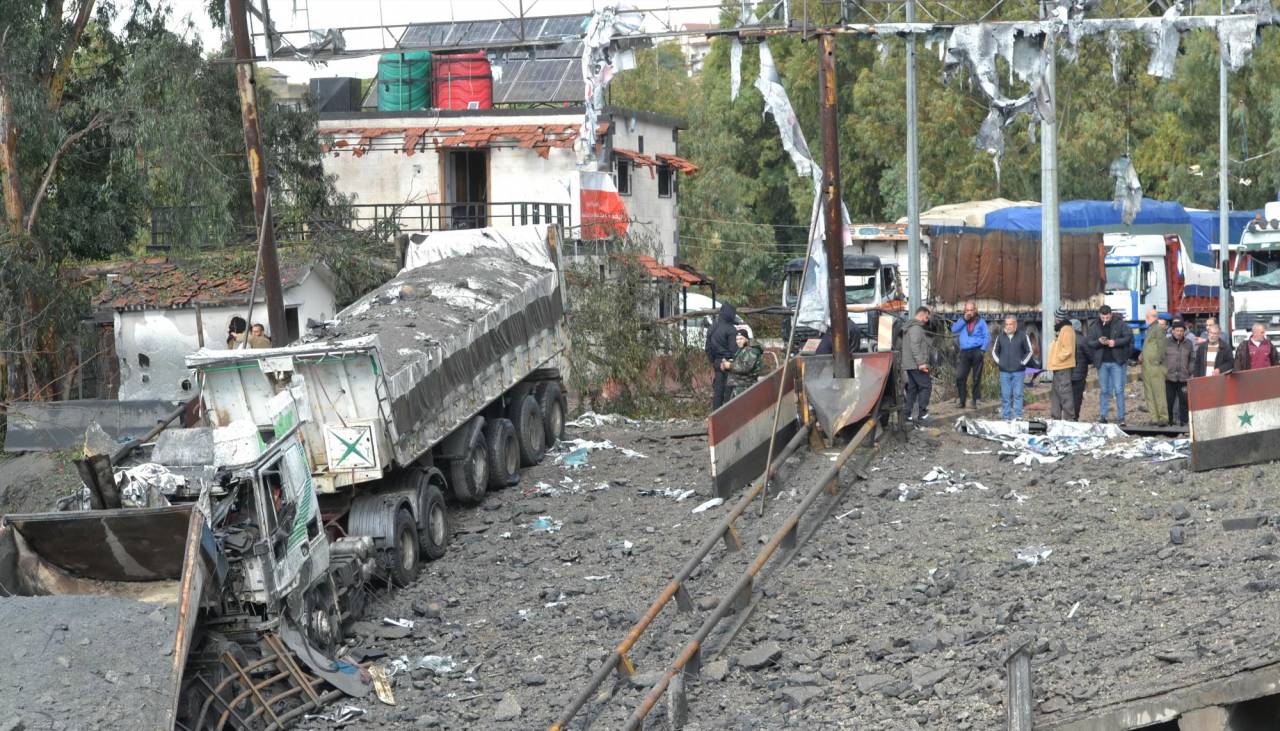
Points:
(974, 340)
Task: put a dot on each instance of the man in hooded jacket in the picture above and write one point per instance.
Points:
(721, 347)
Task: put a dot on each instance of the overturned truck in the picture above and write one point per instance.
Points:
(446, 378)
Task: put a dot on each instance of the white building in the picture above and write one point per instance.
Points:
(159, 311)
(438, 168)
(695, 47)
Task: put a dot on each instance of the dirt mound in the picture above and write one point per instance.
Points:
(33, 482)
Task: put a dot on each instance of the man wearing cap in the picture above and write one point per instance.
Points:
(1061, 363)
(1108, 342)
(1181, 360)
(1154, 359)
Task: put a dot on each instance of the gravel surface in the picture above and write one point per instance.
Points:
(86, 662)
(33, 482)
(898, 614)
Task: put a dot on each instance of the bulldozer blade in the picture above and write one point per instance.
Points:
(839, 403)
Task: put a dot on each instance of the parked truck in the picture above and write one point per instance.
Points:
(1151, 270)
(1254, 273)
(998, 269)
(871, 287)
(446, 378)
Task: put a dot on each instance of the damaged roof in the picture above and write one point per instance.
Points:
(682, 274)
(538, 137)
(161, 283)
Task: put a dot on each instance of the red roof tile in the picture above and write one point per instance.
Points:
(161, 284)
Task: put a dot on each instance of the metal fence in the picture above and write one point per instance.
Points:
(184, 226)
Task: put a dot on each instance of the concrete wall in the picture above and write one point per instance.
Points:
(166, 337)
(657, 216)
(387, 175)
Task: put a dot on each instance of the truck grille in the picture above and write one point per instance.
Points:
(1245, 320)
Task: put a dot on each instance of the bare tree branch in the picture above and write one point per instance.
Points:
(96, 123)
(59, 80)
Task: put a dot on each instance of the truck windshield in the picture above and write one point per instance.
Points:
(1122, 277)
(859, 287)
(1263, 271)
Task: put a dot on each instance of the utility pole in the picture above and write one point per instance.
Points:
(914, 294)
(833, 225)
(258, 174)
(1224, 204)
(1050, 257)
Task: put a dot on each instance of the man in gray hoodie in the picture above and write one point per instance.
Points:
(917, 353)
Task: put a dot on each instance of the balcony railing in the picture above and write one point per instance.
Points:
(180, 225)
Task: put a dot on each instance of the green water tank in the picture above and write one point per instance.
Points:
(404, 81)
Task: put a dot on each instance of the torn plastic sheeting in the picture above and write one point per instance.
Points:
(1064, 438)
(340, 716)
(591, 420)
(735, 68)
(1262, 9)
(598, 58)
(778, 104)
(138, 485)
(577, 449)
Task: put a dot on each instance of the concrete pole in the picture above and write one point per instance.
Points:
(1224, 203)
(831, 206)
(914, 291)
(258, 174)
(1050, 258)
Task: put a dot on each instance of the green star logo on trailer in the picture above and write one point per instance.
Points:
(353, 447)
(1246, 419)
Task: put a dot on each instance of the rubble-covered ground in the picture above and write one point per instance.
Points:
(899, 614)
(33, 482)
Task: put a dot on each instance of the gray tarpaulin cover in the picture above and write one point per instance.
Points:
(1128, 195)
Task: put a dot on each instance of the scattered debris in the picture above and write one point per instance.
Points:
(340, 716)
(438, 664)
(545, 524)
(592, 420)
(1064, 438)
(713, 502)
(1033, 555)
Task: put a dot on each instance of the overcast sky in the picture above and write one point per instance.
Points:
(347, 13)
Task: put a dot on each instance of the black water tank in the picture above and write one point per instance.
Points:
(336, 94)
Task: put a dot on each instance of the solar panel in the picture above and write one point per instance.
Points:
(543, 74)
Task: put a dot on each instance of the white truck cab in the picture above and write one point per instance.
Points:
(1255, 275)
(1136, 276)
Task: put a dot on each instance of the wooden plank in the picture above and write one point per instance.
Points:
(1137, 713)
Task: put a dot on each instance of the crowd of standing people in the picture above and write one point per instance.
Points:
(1171, 356)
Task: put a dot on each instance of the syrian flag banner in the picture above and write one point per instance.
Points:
(1235, 418)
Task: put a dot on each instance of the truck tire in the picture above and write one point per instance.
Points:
(469, 476)
(527, 418)
(504, 453)
(403, 553)
(553, 405)
(433, 539)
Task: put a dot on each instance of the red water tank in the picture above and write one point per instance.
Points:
(461, 81)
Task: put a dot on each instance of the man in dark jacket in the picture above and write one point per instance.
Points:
(1108, 341)
(1213, 357)
(1011, 353)
(1180, 357)
(1079, 374)
(1256, 351)
(917, 353)
(973, 339)
(720, 351)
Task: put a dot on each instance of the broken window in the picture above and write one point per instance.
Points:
(666, 181)
(623, 176)
(291, 323)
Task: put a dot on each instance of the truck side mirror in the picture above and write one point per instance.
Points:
(1148, 278)
(1226, 275)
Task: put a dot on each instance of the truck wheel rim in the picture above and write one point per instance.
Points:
(479, 467)
(406, 549)
(435, 525)
(557, 422)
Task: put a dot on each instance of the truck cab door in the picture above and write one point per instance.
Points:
(1154, 287)
(290, 517)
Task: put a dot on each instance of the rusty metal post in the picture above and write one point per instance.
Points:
(831, 207)
(258, 173)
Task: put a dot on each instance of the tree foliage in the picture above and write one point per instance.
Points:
(746, 210)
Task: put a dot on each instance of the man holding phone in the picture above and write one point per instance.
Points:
(1109, 340)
